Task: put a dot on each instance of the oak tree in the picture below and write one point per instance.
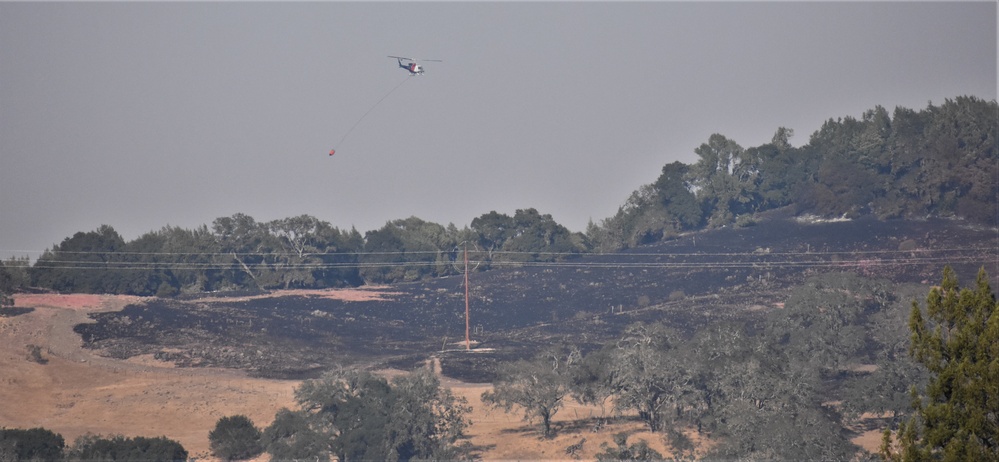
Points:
(538, 386)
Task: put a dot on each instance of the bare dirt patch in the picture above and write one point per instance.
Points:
(360, 294)
(76, 392)
(84, 302)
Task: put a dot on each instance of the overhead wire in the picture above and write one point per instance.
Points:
(728, 260)
(509, 252)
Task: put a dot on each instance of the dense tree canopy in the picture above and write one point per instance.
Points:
(940, 161)
(240, 253)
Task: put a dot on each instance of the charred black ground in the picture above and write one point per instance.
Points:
(697, 279)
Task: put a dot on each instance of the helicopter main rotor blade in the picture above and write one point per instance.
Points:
(416, 59)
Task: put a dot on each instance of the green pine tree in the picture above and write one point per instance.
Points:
(957, 415)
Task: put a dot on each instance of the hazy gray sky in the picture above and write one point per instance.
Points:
(140, 115)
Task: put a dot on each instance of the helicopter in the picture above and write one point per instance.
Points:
(412, 65)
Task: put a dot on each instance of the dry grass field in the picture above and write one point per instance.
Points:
(76, 392)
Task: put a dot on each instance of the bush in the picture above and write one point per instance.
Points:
(121, 449)
(235, 438)
(32, 444)
(166, 290)
(745, 221)
(35, 354)
(908, 245)
(636, 451)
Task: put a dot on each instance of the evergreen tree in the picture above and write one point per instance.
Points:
(957, 414)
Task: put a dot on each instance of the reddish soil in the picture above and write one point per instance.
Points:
(361, 294)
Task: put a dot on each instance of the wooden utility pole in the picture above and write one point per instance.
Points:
(468, 339)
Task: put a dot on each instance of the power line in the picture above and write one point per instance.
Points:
(285, 260)
(730, 264)
(504, 252)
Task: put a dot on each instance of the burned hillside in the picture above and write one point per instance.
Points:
(699, 278)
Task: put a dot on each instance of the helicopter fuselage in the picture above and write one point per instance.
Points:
(413, 68)
(411, 64)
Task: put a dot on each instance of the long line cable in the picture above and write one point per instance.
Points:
(372, 108)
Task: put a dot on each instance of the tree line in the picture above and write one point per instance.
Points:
(939, 161)
(41, 444)
(240, 253)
